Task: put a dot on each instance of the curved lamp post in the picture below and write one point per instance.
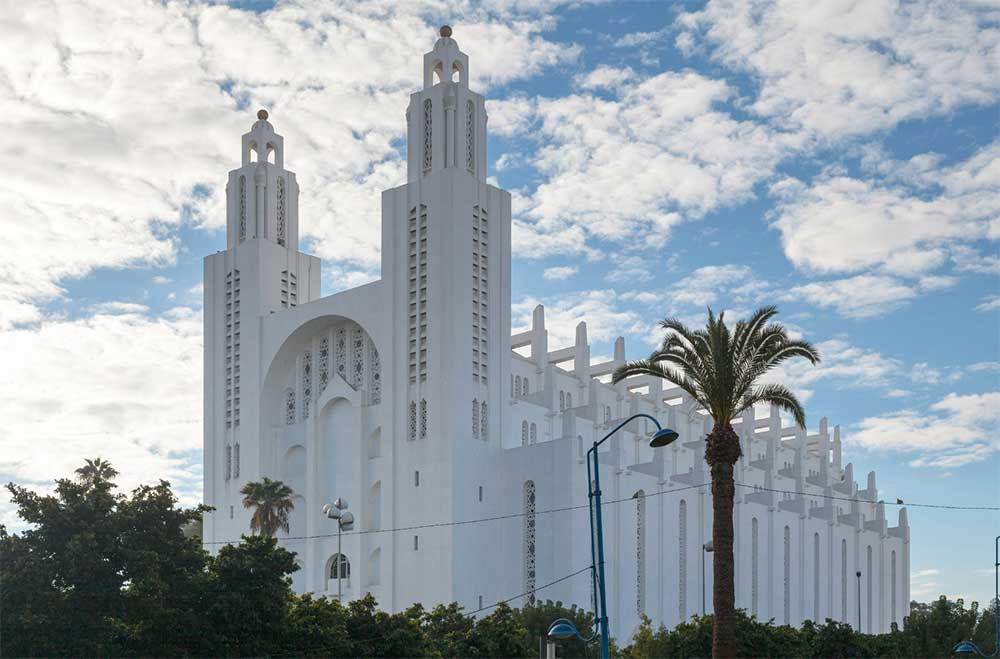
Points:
(969, 646)
(562, 628)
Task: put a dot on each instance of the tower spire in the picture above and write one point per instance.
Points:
(446, 62)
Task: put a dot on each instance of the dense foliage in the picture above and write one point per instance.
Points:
(100, 573)
(931, 630)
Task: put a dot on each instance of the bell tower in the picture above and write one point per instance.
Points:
(260, 272)
(446, 260)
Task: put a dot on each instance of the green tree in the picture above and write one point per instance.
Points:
(272, 502)
(721, 369)
(97, 572)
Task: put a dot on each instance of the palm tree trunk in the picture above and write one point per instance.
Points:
(722, 450)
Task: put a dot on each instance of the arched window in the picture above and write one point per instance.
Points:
(413, 420)
(815, 567)
(534, 434)
(754, 558)
(529, 541)
(525, 387)
(517, 386)
(892, 587)
(562, 401)
(428, 124)
(682, 561)
(787, 577)
(843, 580)
(281, 211)
(340, 567)
(640, 552)
(524, 433)
(236, 460)
(475, 417)
(289, 406)
(484, 422)
(423, 418)
(868, 592)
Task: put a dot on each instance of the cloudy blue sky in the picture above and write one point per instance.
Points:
(840, 159)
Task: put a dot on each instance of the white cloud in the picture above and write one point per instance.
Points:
(957, 430)
(844, 365)
(989, 303)
(631, 167)
(841, 68)
(707, 285)
(842, 224)
(862, 296)
(124, 386)
(605, 77)
(559, 273)
(979, 367)
(924, 373)
(123, 118)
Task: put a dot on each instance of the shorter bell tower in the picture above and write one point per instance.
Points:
(261, 272)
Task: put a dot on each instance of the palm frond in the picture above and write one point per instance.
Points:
(780, 395)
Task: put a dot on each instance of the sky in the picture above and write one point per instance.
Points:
(838, 159)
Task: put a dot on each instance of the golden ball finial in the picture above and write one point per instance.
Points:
(262, 115)
(445, 31)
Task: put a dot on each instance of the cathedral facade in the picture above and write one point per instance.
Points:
(460, 447)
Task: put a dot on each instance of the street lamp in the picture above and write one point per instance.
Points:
(709, 548)
(859, 602)
(345, 522)
(662, 437)
(969, 646)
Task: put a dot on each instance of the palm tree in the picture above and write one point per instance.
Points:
(720, 370)
(272, 501)
(96, 470)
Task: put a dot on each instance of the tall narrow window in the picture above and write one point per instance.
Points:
(243, 208)
(517, 386)
(868, 592)
(533, 437)
(787, 577)
(227, 467)
(484, 422)
(562, 401)
(475, 417)
(340, 352)
(358, 361)
(754, 573)
(607, 414)
(569, 400)
(682, 517)
(306, 383)
(640, 552)
(281, 211)
(529, 541)
(324, 363)
(413, 420)
(524, 433)
(815, 567)
(236, 460)
(375, 375)
(423, 418)
(843, 580)
(892, 587)
(289, 406)
(470, 136)
(428, 123)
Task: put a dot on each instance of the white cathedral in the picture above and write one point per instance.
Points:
(451, 438)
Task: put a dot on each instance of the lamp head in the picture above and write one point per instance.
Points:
(331, 511)
(340, 503)
(563, 629)
(346, 521)
(663, 437)
(966, 647)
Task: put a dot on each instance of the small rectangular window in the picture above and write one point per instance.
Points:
(480, 498)
(480, 601)
(230, 512)
(416, 479)
(416, 543)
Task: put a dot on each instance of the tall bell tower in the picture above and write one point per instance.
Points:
(260, 272)
(446, 257)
